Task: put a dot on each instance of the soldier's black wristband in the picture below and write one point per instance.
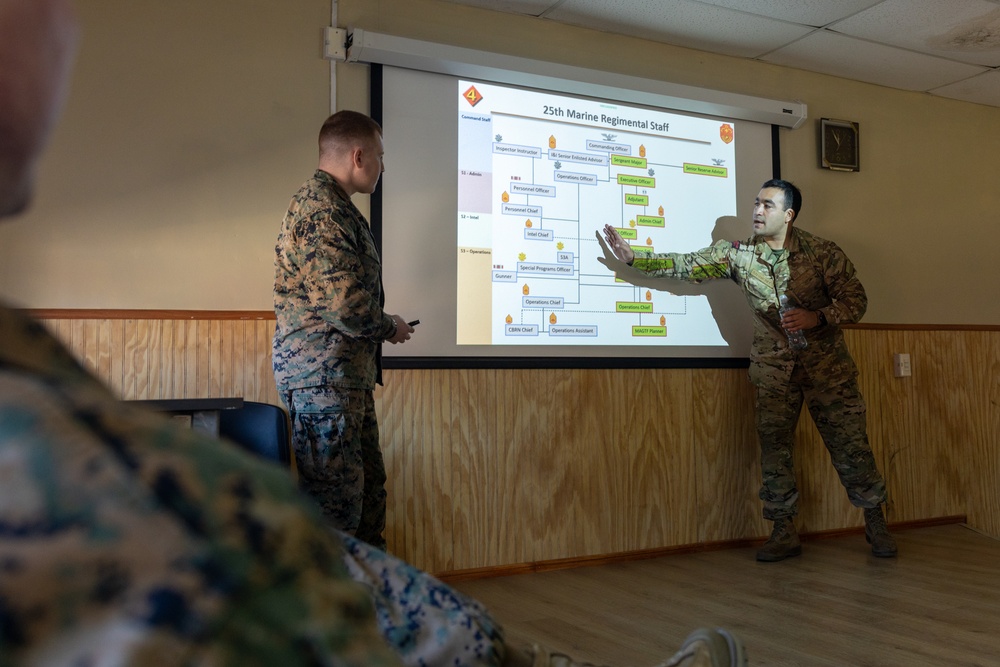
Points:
(822, 318)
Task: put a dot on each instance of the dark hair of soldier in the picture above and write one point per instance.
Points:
(793, 198)
(345, 128)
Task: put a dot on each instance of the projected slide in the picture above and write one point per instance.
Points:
(539, 174)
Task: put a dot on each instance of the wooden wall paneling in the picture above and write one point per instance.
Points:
(417, 466)
(252, 380)
(491, 467)
(198, 376)
(885, 400)
(475, 480)
(658, 431)
(430, 436)
(567, 462)
(983, 455)
(938, 469)
(727, 453)
(989, 499)
(240, 361)
(179, 360)
(223, 360)
(520, 491)
(130, 361)
(390, 409)
(139, 360)
(84, 342)
(269, 392)
(102, 359)
(419, 443)
(186, 382)
(156, 381)
(591, 436)
(579, 466)
(212, 344)
(537, 467)
(117, 353)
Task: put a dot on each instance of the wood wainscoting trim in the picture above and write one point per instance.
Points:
(645, 554)
(141, 314)
(156, 314)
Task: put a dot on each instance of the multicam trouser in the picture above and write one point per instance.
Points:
(839, 415)
(336, 443)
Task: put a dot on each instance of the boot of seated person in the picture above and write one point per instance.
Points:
(703, 648)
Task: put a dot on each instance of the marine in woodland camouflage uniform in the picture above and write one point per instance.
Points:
(328, 302)
(820, 277)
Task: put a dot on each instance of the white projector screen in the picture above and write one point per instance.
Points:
(488, 212)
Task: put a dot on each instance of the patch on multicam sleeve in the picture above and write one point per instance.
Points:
(653, 263)
(709, 271)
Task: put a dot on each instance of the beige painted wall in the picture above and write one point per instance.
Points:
(188, 127)
(190, 124)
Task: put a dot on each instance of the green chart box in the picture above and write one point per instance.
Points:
(649, 221)
(705, 170)
(637, 200)
(647, 332)
(640, 181)
(633, 307)
(628, 161)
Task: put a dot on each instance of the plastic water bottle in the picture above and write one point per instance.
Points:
(796, 339)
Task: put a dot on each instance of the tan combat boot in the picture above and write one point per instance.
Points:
(702, 648)
(783, 543)
(877, 533)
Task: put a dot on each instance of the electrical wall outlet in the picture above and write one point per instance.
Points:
(901, 365)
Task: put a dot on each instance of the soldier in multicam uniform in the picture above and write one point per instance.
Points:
(781, 259)
(328, 301)
(125, 540)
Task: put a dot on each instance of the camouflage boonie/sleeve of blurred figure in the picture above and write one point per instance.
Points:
(327, 292)
(125, 540)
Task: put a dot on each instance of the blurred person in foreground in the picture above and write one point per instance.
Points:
(125, 540)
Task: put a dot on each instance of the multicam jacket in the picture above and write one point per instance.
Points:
(813, 271)
(327, 292)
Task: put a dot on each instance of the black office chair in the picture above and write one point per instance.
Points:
(261, 428)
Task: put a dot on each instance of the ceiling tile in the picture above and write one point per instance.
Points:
(963, 30)
(832, 53)
(683, 23)
(982, 89)
(531, 7)
(807, 12)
